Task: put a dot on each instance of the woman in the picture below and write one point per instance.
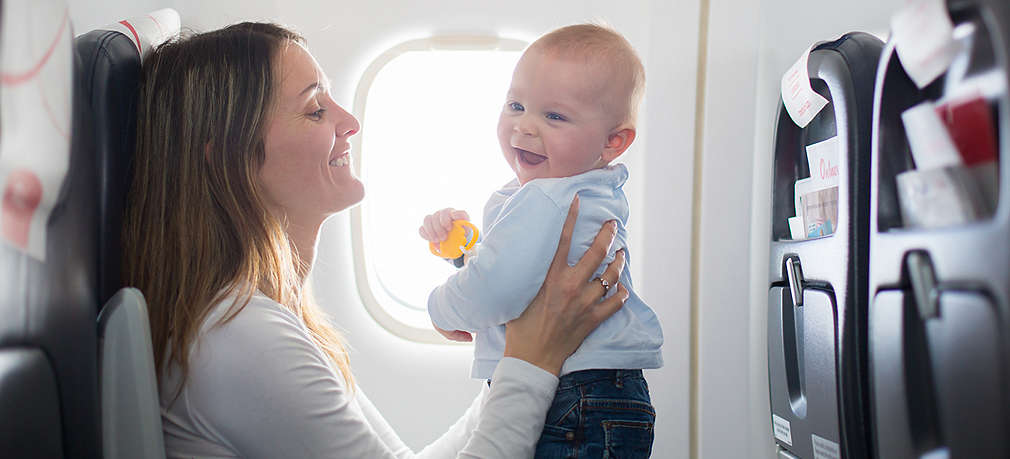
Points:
(241, 156)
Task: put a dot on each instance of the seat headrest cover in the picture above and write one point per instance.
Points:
(36, 73)
(147, 32)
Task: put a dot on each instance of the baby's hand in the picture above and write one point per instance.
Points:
(455, 335)
(436, 226)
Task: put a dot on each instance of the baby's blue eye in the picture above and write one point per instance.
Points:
(555, 117)
(516, 106)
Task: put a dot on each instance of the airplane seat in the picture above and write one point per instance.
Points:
(110, 75)
(48, 257)
(131, 414)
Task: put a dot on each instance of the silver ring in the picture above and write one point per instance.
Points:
(604, 283)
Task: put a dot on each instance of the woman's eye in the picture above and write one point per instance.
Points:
(318, 114)
(515, 106)
(555, 117)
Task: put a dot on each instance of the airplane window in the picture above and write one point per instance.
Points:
(429, 110)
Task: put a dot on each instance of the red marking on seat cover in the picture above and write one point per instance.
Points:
(136, 38)
(16, 79)
(21, 198)
(156, 23)
(61, 126)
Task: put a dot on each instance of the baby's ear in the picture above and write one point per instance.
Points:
(617, 142)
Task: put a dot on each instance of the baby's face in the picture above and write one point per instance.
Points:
(556, 120)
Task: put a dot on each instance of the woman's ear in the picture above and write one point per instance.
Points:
(617, 142)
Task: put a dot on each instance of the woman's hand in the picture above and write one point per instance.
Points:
(568, 306)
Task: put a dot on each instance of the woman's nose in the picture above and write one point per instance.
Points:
(347, 124)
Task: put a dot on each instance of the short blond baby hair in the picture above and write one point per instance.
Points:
(601, 43)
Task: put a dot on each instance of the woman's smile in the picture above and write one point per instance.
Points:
(343, 160)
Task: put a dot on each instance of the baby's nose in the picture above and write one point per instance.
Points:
(525, 127)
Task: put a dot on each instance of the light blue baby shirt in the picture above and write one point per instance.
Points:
(522, 225)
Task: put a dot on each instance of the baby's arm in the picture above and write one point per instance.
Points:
(506, 271)
(435, 228)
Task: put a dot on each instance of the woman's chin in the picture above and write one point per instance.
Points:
(350, 195)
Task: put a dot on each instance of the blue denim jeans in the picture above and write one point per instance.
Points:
(599, 414)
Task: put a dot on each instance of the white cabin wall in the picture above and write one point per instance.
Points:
(86, 16)
(663, 269)
(722, 225)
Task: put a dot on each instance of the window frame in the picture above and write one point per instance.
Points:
(366, 281)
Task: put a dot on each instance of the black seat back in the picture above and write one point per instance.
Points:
(110, 73)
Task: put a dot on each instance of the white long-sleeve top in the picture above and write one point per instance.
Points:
(259, 387)
(522, 225)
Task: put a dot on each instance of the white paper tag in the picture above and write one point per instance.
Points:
(940, 453)
(938, 197)
(801, 101)
(930, 143)
(35, 99)
(824, 448)
(822, 157)
(796, 232)
(799, 187)
(923, 37)
(783, 431)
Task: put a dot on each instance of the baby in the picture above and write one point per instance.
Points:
(570, 111)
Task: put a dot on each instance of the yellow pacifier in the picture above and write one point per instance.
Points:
(450, 247)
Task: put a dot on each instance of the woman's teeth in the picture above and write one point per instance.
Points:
(341, 161)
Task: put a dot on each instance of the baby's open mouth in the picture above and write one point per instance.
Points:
(529, 157)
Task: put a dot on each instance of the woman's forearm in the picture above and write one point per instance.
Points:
(512, 418)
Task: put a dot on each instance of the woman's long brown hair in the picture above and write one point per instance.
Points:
(197, 231)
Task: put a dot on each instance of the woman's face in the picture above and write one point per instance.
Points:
(306, 176)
